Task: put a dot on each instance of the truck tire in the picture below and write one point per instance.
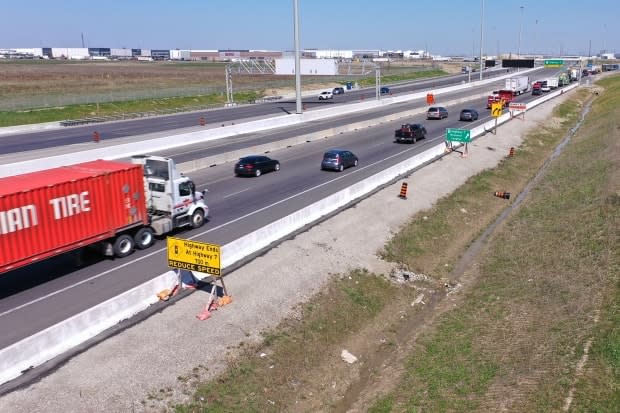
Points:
(123, 245)
(198, 218)
(144, 238)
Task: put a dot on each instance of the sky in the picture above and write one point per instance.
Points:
(447, 27)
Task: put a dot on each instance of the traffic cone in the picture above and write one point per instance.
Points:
(512, 152)
(403, 191)
(96, 137)
(504, 195)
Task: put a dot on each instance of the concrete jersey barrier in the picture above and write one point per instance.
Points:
(161, 144)
(61, 337)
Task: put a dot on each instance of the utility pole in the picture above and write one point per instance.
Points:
(298, 107)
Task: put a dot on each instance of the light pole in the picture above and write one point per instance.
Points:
(297, 58)
(481, 35)
(520, 31)
(535, 35)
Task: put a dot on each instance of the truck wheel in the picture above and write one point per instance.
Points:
(414, 139)
(198, 218)
(123, 245)
(144, 238)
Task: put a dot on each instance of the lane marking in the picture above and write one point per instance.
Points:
(235, 193)
(94, 277)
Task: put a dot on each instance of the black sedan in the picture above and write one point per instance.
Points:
(256, 165)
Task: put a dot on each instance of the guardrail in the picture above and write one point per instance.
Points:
(55, 340)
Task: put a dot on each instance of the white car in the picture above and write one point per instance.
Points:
(326, 95)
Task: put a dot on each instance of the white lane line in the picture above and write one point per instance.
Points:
(235, 193)
(94, 277)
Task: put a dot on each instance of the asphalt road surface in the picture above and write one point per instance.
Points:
(114, 130)
(42, 294)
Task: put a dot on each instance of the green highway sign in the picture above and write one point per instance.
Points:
(554, 62)
(458, 135)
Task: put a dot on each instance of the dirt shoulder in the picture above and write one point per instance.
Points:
(154, 365)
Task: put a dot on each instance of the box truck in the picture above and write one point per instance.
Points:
(115, 206)
(553, 82)
(518, 84)
(573, 74)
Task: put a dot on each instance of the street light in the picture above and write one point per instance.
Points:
(297, 58)
(520, 31)
(481, 35)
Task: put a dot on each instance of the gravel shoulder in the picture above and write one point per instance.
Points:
(147, 364)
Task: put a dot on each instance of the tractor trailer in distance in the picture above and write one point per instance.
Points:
(115, 206)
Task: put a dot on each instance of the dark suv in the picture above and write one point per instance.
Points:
(338, 91)
(410, 133)
(469, 114)
(338, 159)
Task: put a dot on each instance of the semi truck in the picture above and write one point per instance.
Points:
(113, 206)
(518, 84)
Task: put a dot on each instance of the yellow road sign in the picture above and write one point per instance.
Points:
(497, 109)
(194, 256)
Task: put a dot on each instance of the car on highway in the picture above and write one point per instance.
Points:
(469, 114)
(436, 112)
(338, 159)
(385, 90)
(410, 133)
(255, 165)
(338, 91)
(327, 94)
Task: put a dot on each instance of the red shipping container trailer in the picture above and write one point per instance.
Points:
(49, 212)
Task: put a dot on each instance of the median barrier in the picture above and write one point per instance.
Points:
(197, 164)
(61, 337)
(174, 141)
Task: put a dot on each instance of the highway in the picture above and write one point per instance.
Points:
(119, 129)
(42, 294)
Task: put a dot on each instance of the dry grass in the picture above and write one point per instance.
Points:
(519, 331)
(296, 371)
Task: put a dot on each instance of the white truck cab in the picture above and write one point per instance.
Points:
(171, 197)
